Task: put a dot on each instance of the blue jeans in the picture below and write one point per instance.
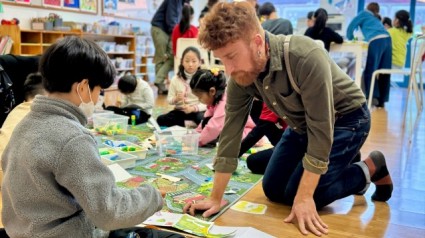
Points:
(379, 56)
(284, 171)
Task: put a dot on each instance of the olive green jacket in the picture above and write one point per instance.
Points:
(324, 91)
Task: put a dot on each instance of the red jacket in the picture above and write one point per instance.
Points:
(268, 115)
(191, 33)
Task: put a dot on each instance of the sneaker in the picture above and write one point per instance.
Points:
(380, 176)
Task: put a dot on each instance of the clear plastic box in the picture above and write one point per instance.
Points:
(110, 124)
(127, 147)
(95, 114)
(177, 142)
(113, 156)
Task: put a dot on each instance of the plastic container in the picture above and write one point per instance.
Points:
(127, 147)
(177, 142)
(113, 156)
(95, 114)
(110, 124)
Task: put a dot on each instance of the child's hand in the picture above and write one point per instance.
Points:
(179, 97)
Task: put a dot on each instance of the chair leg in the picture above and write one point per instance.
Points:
(372, 86)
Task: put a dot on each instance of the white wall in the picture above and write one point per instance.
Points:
(24, 14)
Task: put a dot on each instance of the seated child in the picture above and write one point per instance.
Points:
(137, 98)
(32, 87)
(269, 125)
(210, 86)
(55, 184)
(188, 109)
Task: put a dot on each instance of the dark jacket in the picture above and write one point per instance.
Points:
(327, 35)
(168, 15)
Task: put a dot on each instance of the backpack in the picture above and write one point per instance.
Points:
(7, 98)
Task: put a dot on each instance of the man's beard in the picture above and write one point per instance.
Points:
(246, 78)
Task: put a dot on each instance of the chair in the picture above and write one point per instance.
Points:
(182, 44)
(417, 51)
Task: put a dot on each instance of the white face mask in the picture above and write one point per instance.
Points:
(87, 108)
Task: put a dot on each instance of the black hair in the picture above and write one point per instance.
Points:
(310, 15)
(187, 50)
(127, 84)
(321, 17)
(73, 59)
(266, 9)
(387, 20)
(187, 12)
(33, 86)
(403, 17)
(204, 80)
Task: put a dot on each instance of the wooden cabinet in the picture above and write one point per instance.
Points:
(144, 58)
(34, 42)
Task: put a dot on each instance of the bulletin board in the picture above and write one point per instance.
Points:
(80, 6)
(130, 9)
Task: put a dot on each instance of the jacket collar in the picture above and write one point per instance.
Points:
(276, 51)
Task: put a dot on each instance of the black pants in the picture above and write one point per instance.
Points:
(177, 117)
(142, 232)
(258, 162)
(263, 128)
(141, 116)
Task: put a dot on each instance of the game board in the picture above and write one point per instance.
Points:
(196, 180)
(194, 174)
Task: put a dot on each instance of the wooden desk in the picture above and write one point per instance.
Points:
(358, 48)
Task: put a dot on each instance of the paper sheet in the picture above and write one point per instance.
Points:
(119, 173)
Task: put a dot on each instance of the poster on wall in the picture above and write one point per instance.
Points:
(52, 3)
(22, 1)
(131, 9)
(88, 5)
(74, 4)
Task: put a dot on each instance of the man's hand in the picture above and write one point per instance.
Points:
(211, 206)
(304, 208)
(304, 211)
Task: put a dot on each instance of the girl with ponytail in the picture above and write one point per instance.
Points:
(210, 87)
(400, 33)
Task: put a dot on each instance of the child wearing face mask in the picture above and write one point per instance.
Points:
(188, 110)
(54, 182)
(210, 87)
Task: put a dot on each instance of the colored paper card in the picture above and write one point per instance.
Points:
(249, 207)
(163, 219)
(193, 225)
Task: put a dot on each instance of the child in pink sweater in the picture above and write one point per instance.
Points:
(210, 86)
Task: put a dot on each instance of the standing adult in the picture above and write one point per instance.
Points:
(163, 23)
(328, 120)
(379, 52)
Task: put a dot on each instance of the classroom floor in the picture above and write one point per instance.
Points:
(357, 216)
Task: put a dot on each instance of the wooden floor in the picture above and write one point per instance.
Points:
(357, 216)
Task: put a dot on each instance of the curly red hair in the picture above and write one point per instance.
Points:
(228, 22)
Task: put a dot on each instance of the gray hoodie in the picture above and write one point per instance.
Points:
(55, 184)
